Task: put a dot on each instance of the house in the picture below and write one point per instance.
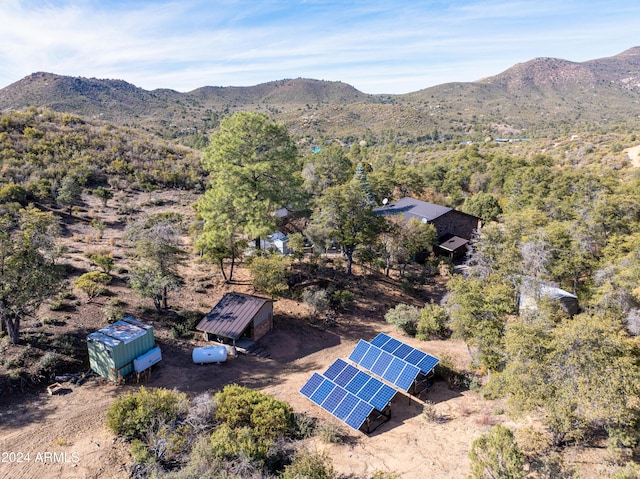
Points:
(121, 348)
(238, 315)
(532, 290)
(278, 241)
(454, 228)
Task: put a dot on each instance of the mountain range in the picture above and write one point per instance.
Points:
(543, 96)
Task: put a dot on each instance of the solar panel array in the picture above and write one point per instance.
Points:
(425, 362)
(351, 394)
(385, 365)
(337, 401)
(363, 385)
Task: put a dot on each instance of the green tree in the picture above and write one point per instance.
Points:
(483, 205)
(28, 275)
(561, 370)
(105, 194)
(254, 170)
(478, 310)
(70, 192)
(326, 168)
(296, 244)
(432, 322)
(414, 238)
(149, 282)
(496, 456)
(345, 214)
(270, 273)
(157, 244)
(220, 240)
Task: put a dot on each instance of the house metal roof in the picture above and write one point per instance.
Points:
(231, 316)
(413, 208)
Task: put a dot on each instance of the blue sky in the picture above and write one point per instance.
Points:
(377, 46)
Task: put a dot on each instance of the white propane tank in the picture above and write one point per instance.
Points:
(209, 354)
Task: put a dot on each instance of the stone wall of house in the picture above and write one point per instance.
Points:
(456, 223)
(263, 321)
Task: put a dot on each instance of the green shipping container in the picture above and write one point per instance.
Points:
(112, 349)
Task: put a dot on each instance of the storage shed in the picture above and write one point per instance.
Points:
(113, 349)
(278, 241)
(531, 291)
(237, 315)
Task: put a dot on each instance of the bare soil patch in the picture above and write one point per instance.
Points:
(634, 155)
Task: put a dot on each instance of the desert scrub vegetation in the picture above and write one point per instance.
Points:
(236, 433)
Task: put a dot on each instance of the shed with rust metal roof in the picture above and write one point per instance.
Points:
(237, 315)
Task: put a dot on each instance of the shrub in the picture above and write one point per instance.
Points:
(304, 425)
(58, 305)
(317, 301)
(202, 412)
(329, 432)
(270, 273)
(342, 298)
(49, 361)
(133, 414)
(533, 442)
(431, 323)
(93, 283)
(230, 444)
(103, 261)
(404, 317)
(113, 311)
(309, 465)
(140, 452)
(64, 343)
(238, 406)
(496, 454)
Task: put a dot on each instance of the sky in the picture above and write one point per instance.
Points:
(377, 46)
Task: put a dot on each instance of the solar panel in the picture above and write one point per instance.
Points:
(370, 358)
(383, 364)
(369, 389)
(337, 401)
(358, 353)
(425, 362)
(359, 415)
(336, 368)
(360, 383)
(382, 397)
(334, 399)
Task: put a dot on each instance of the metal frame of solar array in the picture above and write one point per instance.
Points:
(349, 394)
(383, 364)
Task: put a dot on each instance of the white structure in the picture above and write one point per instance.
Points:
(278, 241)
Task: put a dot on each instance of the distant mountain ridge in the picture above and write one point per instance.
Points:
(540, 95)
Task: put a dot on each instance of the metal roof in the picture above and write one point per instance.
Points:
(453, 243)
(413, 208)
(103, 338)
(231, 316)
(125, 330)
